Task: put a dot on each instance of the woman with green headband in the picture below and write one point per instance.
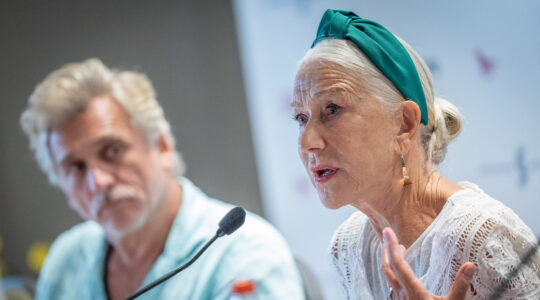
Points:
(371, 136)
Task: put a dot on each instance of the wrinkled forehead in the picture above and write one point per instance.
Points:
(103, 119)
(316, 78)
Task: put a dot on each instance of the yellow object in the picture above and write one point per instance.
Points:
(36, 255)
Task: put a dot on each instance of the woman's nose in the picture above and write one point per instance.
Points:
(99, 179)
(311, 139)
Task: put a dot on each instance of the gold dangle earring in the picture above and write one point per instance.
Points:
(406, 180)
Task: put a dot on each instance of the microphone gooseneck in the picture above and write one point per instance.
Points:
(228, 224)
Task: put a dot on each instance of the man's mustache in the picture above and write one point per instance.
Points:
(111, 195)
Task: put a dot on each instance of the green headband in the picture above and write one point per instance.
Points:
(381, 47)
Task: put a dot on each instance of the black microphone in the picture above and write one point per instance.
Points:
(231, 221)
(228, 224)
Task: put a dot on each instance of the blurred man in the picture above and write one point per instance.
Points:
(101, 136)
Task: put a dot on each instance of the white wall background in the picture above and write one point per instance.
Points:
(485, 58)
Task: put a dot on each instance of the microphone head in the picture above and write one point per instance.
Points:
(232, 221)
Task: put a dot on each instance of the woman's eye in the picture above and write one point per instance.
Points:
(301, 119)
(332, 109)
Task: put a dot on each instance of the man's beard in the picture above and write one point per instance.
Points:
(120, 193)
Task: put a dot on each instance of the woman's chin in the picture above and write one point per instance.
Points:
(329, 198)
(331, 203)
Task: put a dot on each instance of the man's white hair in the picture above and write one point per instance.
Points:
(68, 90)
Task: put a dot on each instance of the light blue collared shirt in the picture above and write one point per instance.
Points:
(75, 264)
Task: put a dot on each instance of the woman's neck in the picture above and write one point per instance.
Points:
(409, 210)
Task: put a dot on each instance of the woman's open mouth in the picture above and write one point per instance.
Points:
(323, 173)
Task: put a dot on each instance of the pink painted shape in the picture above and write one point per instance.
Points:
(486, 64)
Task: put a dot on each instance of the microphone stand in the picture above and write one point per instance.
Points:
(228, 224)
(151, 285)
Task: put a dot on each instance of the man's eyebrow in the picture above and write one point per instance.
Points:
(108, 139)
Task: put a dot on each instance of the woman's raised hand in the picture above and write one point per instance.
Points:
(403, 281)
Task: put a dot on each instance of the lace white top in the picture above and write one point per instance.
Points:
(471, 227)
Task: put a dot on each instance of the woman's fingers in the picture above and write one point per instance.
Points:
(462, 282)
(387, 271)
(399, 266)
(403, 280)
(403, 251)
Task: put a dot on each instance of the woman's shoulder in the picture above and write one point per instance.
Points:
(473, 206)
(471, 216)
(488, 233)
(473, 199)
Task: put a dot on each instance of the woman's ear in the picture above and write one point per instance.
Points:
(410, 116)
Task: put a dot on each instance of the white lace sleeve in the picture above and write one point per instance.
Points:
(497, 245)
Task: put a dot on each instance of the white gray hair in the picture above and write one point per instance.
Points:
(68, 90)
(444, 118)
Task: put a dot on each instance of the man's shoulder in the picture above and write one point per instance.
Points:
(255, 251)
(70, 260)
(255, 233)
(209, 211)
(74, 246)
(79, 236)
(254, 230)
(255, 227)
